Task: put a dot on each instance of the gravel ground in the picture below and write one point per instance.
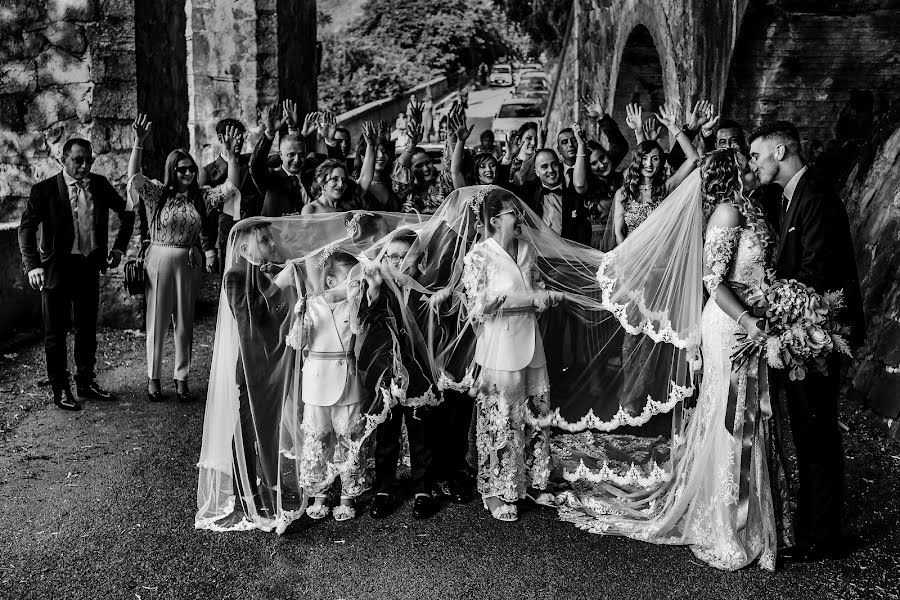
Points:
(100, 504)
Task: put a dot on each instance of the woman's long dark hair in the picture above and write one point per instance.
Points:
(631, 184)
(170, 179)
(322, 173)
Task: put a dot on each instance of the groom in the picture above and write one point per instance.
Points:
(814, 248)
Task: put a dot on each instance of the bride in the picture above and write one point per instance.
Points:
(719, 498)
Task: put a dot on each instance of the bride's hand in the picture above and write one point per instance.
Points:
(754, 331)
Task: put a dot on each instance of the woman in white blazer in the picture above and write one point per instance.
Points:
(510, 380)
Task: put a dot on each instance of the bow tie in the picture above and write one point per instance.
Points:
(557, 190)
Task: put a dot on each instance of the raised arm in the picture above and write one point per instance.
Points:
(259, 160)
(580, 171)
(141, 127)
(668, 117)
(462, 132)
(619, 216)
(367, 172)
(414, 132)
(618, 145)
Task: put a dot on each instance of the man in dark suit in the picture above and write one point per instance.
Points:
(261, 305)
(216, 172)
(63, 237)
(561, 207)
(815, 248)
(282, 187)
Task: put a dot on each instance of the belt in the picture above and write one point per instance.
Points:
(516, 310)
(316, 355)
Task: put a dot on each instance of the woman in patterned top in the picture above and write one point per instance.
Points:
(177, 212)
(645, 183)
(416, 181)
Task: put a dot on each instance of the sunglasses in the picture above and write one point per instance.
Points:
(82, 160)
(186, 170)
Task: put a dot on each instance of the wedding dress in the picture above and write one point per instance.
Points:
(717, 498)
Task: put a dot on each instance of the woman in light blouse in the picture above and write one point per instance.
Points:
(177, 211)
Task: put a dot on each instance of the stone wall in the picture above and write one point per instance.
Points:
(20, 306)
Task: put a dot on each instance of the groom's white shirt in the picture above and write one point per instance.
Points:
(791, 187)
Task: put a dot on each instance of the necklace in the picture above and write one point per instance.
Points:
(646, 187)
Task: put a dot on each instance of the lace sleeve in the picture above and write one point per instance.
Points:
(475, 281)
(402, 184)
(141, 189)
(718, 255)
(541, 302)
(221, 197)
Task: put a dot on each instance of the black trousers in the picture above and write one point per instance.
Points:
(387, 448)
(260, 418)
(813, 409)
(453, 419)
(76, 293)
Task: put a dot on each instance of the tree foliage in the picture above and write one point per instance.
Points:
(397, 44)
(543, 21)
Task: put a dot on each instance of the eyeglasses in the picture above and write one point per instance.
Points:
(336, 180)
(395, 259)
(185, 170)
(514, 211)
(82, 160)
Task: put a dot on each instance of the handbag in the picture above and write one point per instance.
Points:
(134, 276)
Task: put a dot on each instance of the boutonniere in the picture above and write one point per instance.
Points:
(574, 213)
(791, 229)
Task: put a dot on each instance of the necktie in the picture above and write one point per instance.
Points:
(784, 205)
(569, 176)
(81, 215)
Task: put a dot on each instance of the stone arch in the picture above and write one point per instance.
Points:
(639, 76)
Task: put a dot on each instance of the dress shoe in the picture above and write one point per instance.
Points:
(156, 396)
(460, 491)
(184, 396)
(92, 391)
(424, 507)
(64, 400)
(382, 505)
(813, 553)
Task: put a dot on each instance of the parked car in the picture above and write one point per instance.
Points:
(501, 75)
(516, 111)
(531, 88)
(434, 150)
(526, 76)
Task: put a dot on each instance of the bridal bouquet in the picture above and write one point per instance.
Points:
(802, 327)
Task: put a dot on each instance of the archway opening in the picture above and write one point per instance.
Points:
(640, 78)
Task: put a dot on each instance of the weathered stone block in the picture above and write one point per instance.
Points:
(123, 9)
(17, 14)
(72, 10)
(114, 101)
(49, 107)
(18, 76)
(58, 67)
(68, 36)
(117, 66)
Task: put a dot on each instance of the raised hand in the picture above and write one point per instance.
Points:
(274, 119)
(711, 126)
(668, 116)
(414, 110)
(700, 115)
(414, 131)
(542, 134)
(578, 130)
(461, 130)
(652, 130)
(327, 125)
(634, 116)
(384, 130)
(593, 107)
(230, 142)
(291, 116)
(141, 128)
(513, 144)
(310, 122)
(370, 133)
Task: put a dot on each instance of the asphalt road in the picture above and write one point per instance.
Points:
(100, 504)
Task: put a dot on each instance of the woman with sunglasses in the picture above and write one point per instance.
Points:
(175, 221)
(504, 292)
(333, 190)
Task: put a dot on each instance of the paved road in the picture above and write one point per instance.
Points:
(483, 105)
(100, 504)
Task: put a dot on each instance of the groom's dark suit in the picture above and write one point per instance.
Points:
(815, 248)
(71, 281)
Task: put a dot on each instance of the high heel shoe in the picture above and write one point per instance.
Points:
(185, 396)
(156, 396)
(344, 512)
(505, 512)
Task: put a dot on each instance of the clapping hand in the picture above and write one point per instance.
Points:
(274, 119)
(141, 128)
(652, 129)
(633, 117)
(593, 107)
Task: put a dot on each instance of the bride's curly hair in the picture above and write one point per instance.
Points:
(631, 182)
(721, 179)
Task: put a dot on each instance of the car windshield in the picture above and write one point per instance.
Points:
(503, 69)
(521, 109)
